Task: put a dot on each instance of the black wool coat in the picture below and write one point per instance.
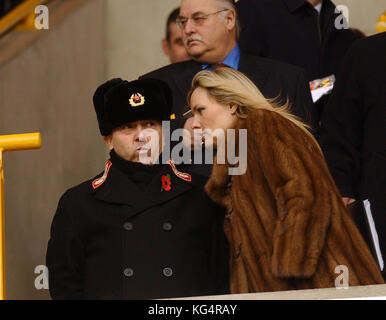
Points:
(353, 133)
(274, 79)
(120, 242)
(292, 31)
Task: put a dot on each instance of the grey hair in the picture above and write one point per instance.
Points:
(231, 5)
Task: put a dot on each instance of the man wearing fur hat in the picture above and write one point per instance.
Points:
(139, 230)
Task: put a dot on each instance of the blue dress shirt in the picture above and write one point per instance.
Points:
(232, 60)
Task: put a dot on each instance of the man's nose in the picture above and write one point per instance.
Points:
(140, 135)
(189, 27)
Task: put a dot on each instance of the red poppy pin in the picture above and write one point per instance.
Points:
(166, 183)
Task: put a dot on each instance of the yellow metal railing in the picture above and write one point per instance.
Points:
(381, 23)
(18, 14)
(12, 142)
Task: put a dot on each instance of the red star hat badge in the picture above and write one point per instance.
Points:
(136, 100)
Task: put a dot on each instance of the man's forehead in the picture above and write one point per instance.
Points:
(134, 123)
(189, 7)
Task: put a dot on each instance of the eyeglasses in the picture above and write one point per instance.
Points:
(197, 19)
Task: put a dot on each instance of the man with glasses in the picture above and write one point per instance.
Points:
(210, 30)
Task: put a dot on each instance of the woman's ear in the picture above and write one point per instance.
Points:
(108, 139)
(233, 108)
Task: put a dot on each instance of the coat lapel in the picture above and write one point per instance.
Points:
(119, 189)
(183, 80)
(293, 5)
(155, 196)
(327, 17)
(256, 73)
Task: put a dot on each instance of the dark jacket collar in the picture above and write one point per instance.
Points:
(294, 5)
(248, 65)
(328, 17)
(328, 7)
(119, 189)
(253, 67)
(183, 78)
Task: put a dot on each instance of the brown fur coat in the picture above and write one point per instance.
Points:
(287, 228)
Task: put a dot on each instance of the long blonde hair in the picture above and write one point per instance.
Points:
(228, 86)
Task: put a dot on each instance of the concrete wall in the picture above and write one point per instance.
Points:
(47, 88)
(135, 29)
(363, 14)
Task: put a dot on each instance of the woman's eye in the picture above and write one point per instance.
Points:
(200, 110)
(150, 124)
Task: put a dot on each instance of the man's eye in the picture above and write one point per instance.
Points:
(150, 124)
(198, 19)
(182, 22)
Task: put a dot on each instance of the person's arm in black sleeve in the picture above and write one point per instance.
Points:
(220, 254)
(303, 105)
(65, 257)
(342, 129)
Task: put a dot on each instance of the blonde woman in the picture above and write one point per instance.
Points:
(287, 225)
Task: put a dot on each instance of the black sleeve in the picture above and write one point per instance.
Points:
(65, 257)
(220, 254)
(303, 100)
(342, 128)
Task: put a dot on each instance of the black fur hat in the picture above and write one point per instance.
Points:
(99, 104)
(118, 102)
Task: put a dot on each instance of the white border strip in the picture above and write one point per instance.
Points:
(374, 233)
